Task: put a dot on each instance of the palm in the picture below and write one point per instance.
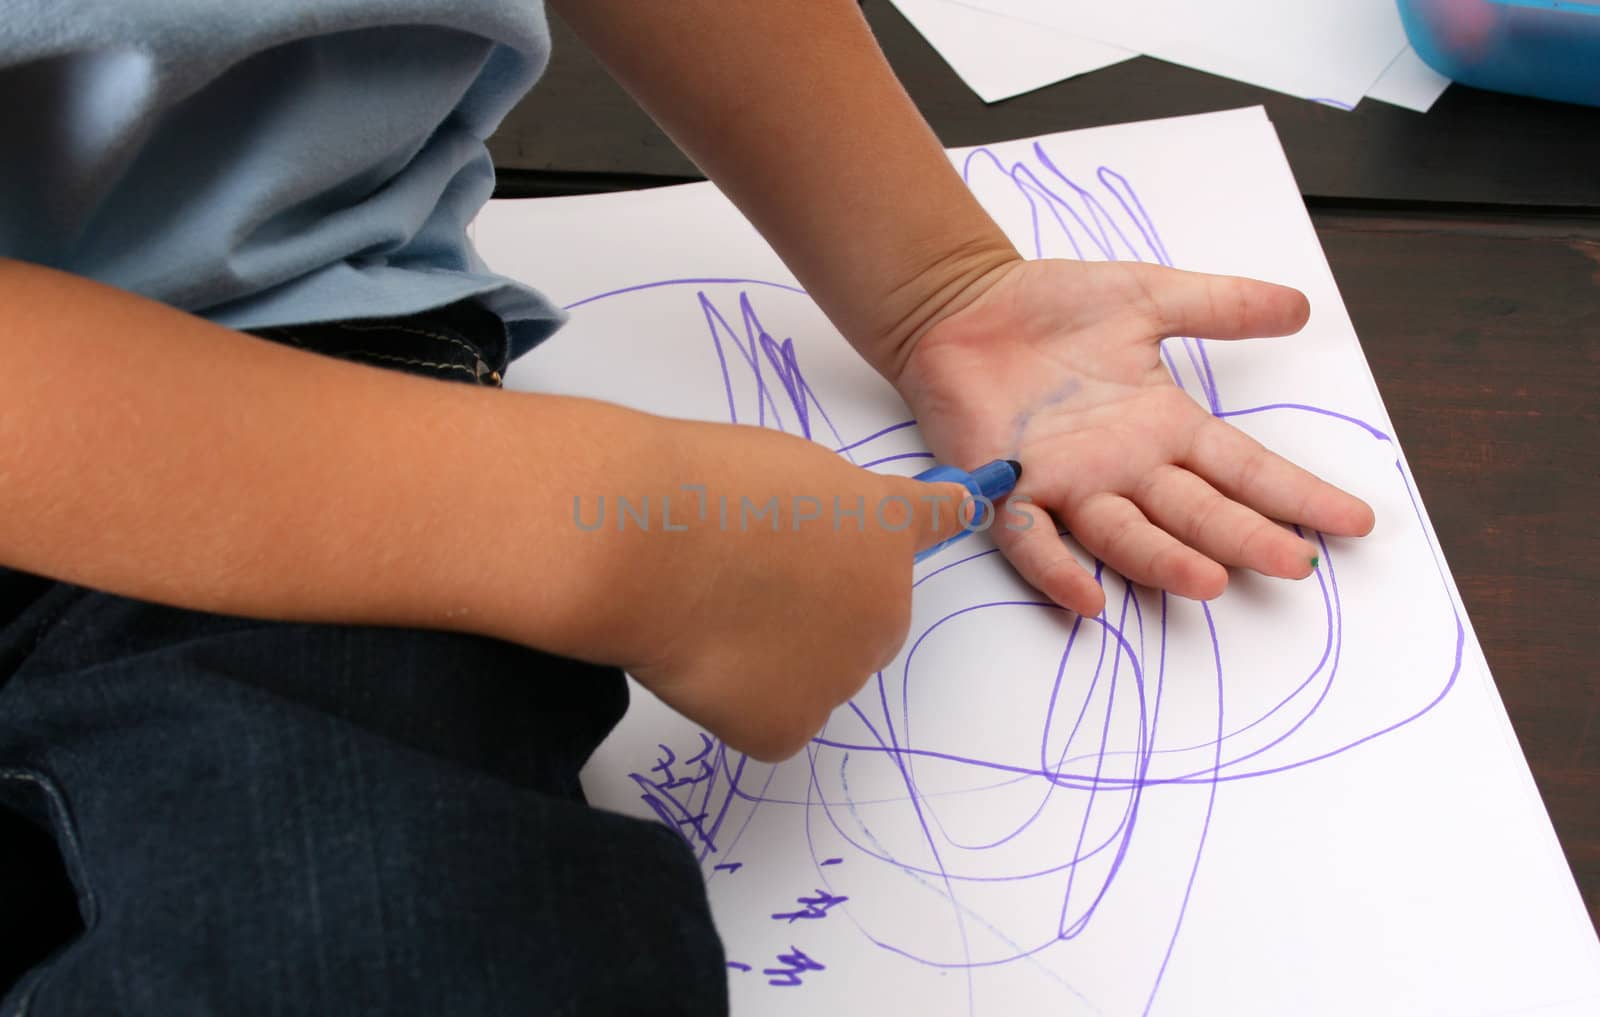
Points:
(1057, 364)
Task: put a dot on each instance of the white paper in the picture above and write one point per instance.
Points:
(1307, 797)
(1410, 83)
(999, 57)
(1329, 50)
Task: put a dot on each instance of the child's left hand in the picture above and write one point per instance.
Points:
(1057, 364)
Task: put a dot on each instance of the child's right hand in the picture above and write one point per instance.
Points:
(315, 490)
(768, 608)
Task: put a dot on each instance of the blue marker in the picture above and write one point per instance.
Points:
(987, 484)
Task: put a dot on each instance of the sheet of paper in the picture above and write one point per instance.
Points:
(999, 57)
(1316, 49)
(1410, 83)
(1302, 798)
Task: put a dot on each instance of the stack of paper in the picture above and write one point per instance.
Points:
(1330, 51)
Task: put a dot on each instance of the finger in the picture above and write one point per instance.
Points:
(1029, 541)
(1222, 529)
(1114, 530)
(1246, 471)
(935, 510)
(1221, 306)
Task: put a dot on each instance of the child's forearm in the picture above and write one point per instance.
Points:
(791, 108)
(148, 452)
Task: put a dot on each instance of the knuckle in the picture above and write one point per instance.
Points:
(1123, 530)
(1251, 468)
(1203, 516)
(1241, 294)
(788, 733)
(1148, 486)
(1257, 542)
(777, 746)
(1145, 281)
(886, 644)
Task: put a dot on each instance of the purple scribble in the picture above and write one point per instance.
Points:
(1105, 745)
(794, 964)
(813, 906)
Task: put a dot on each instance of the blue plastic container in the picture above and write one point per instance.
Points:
(1545, 48)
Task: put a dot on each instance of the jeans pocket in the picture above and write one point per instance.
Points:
(35, 796)
(462, 342)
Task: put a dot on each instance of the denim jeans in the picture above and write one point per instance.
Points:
(202, 814)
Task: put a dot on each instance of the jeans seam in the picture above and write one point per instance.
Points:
(66, 830)
(479, 371)
(285, 333)
(393, 358)
(472, 350)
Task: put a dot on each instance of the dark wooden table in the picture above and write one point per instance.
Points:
(579, 131)
(1466, 243)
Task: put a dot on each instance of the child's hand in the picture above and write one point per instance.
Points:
(772, 606)
(1057, 364)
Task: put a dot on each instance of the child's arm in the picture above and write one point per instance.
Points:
(791, 108)
(150, 453)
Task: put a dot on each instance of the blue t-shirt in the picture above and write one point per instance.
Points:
(265, 162)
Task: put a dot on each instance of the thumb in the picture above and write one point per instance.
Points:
(938, 511)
